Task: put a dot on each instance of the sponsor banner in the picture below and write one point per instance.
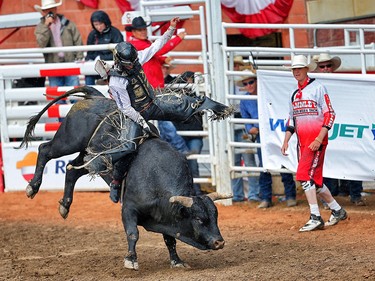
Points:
(19, 167)
(351, 148)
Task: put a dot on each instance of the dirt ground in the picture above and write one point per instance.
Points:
(37, 244)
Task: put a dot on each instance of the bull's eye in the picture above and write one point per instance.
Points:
(199, 220)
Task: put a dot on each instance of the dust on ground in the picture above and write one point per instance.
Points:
(261, 244)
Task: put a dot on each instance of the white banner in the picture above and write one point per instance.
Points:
(19, 167)
(351, 149)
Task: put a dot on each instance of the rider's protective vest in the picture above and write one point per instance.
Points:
(141, 93)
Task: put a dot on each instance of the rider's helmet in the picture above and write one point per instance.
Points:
(125, 55)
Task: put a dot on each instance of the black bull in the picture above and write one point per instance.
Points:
(158, 196)
(80, 131)
(158, 192)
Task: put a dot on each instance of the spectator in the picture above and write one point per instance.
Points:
(328, 64)
(311, 116)
(54, 30)
(249, 109)
(102, 33)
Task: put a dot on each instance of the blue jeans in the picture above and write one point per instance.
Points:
(237, 184)
(344, 187)
(333, 185)
(195, 146)
(91, 79)
(354, 187)
(168, 133)
(265, 184)
(63, 81)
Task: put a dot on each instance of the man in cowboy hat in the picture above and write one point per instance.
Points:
(54, 30)
(152, 68)
(311, 116)
(328, 64)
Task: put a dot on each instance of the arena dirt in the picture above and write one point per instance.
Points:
(37, 244)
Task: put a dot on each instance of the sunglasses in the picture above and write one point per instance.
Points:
(325, 65)
(249, 83)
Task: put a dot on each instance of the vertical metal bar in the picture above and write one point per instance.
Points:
(362, 48)
(346, 37)
(207, 83)
(218, 92)
(4, 134)
(292, 41)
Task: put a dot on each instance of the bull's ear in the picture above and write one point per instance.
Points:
(183, 200)
(218, 196)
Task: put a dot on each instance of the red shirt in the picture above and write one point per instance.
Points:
(153, 68)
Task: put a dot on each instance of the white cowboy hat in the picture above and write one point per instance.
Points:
(239, 60)
(247, 72)
(47, 4)
(300, 61)
(325, 57)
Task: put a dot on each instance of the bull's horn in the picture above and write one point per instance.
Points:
(218, 196)
(183, 200)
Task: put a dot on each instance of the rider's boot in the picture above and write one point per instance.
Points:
(220, 110)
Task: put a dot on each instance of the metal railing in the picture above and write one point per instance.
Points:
(366, 56)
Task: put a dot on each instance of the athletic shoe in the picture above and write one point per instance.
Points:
(336, 216)
(315, 222)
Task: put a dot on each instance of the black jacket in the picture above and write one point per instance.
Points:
(110, 35)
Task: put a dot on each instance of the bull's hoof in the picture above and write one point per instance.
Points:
(131, 264)
(30, 193)
(180, 264)
(64, 212)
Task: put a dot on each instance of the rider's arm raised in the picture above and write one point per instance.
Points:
(146, 54)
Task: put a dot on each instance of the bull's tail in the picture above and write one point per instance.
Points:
(88, 92)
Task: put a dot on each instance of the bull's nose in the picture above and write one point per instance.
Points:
(218, 244)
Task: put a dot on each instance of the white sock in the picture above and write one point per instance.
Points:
(314, 209)
(334, 205)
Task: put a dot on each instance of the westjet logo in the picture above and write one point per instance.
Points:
(338, 130)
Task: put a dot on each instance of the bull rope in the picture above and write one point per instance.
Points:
(95, 155)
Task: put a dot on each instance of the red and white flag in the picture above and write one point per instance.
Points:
(239, 11)
(257, 11)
